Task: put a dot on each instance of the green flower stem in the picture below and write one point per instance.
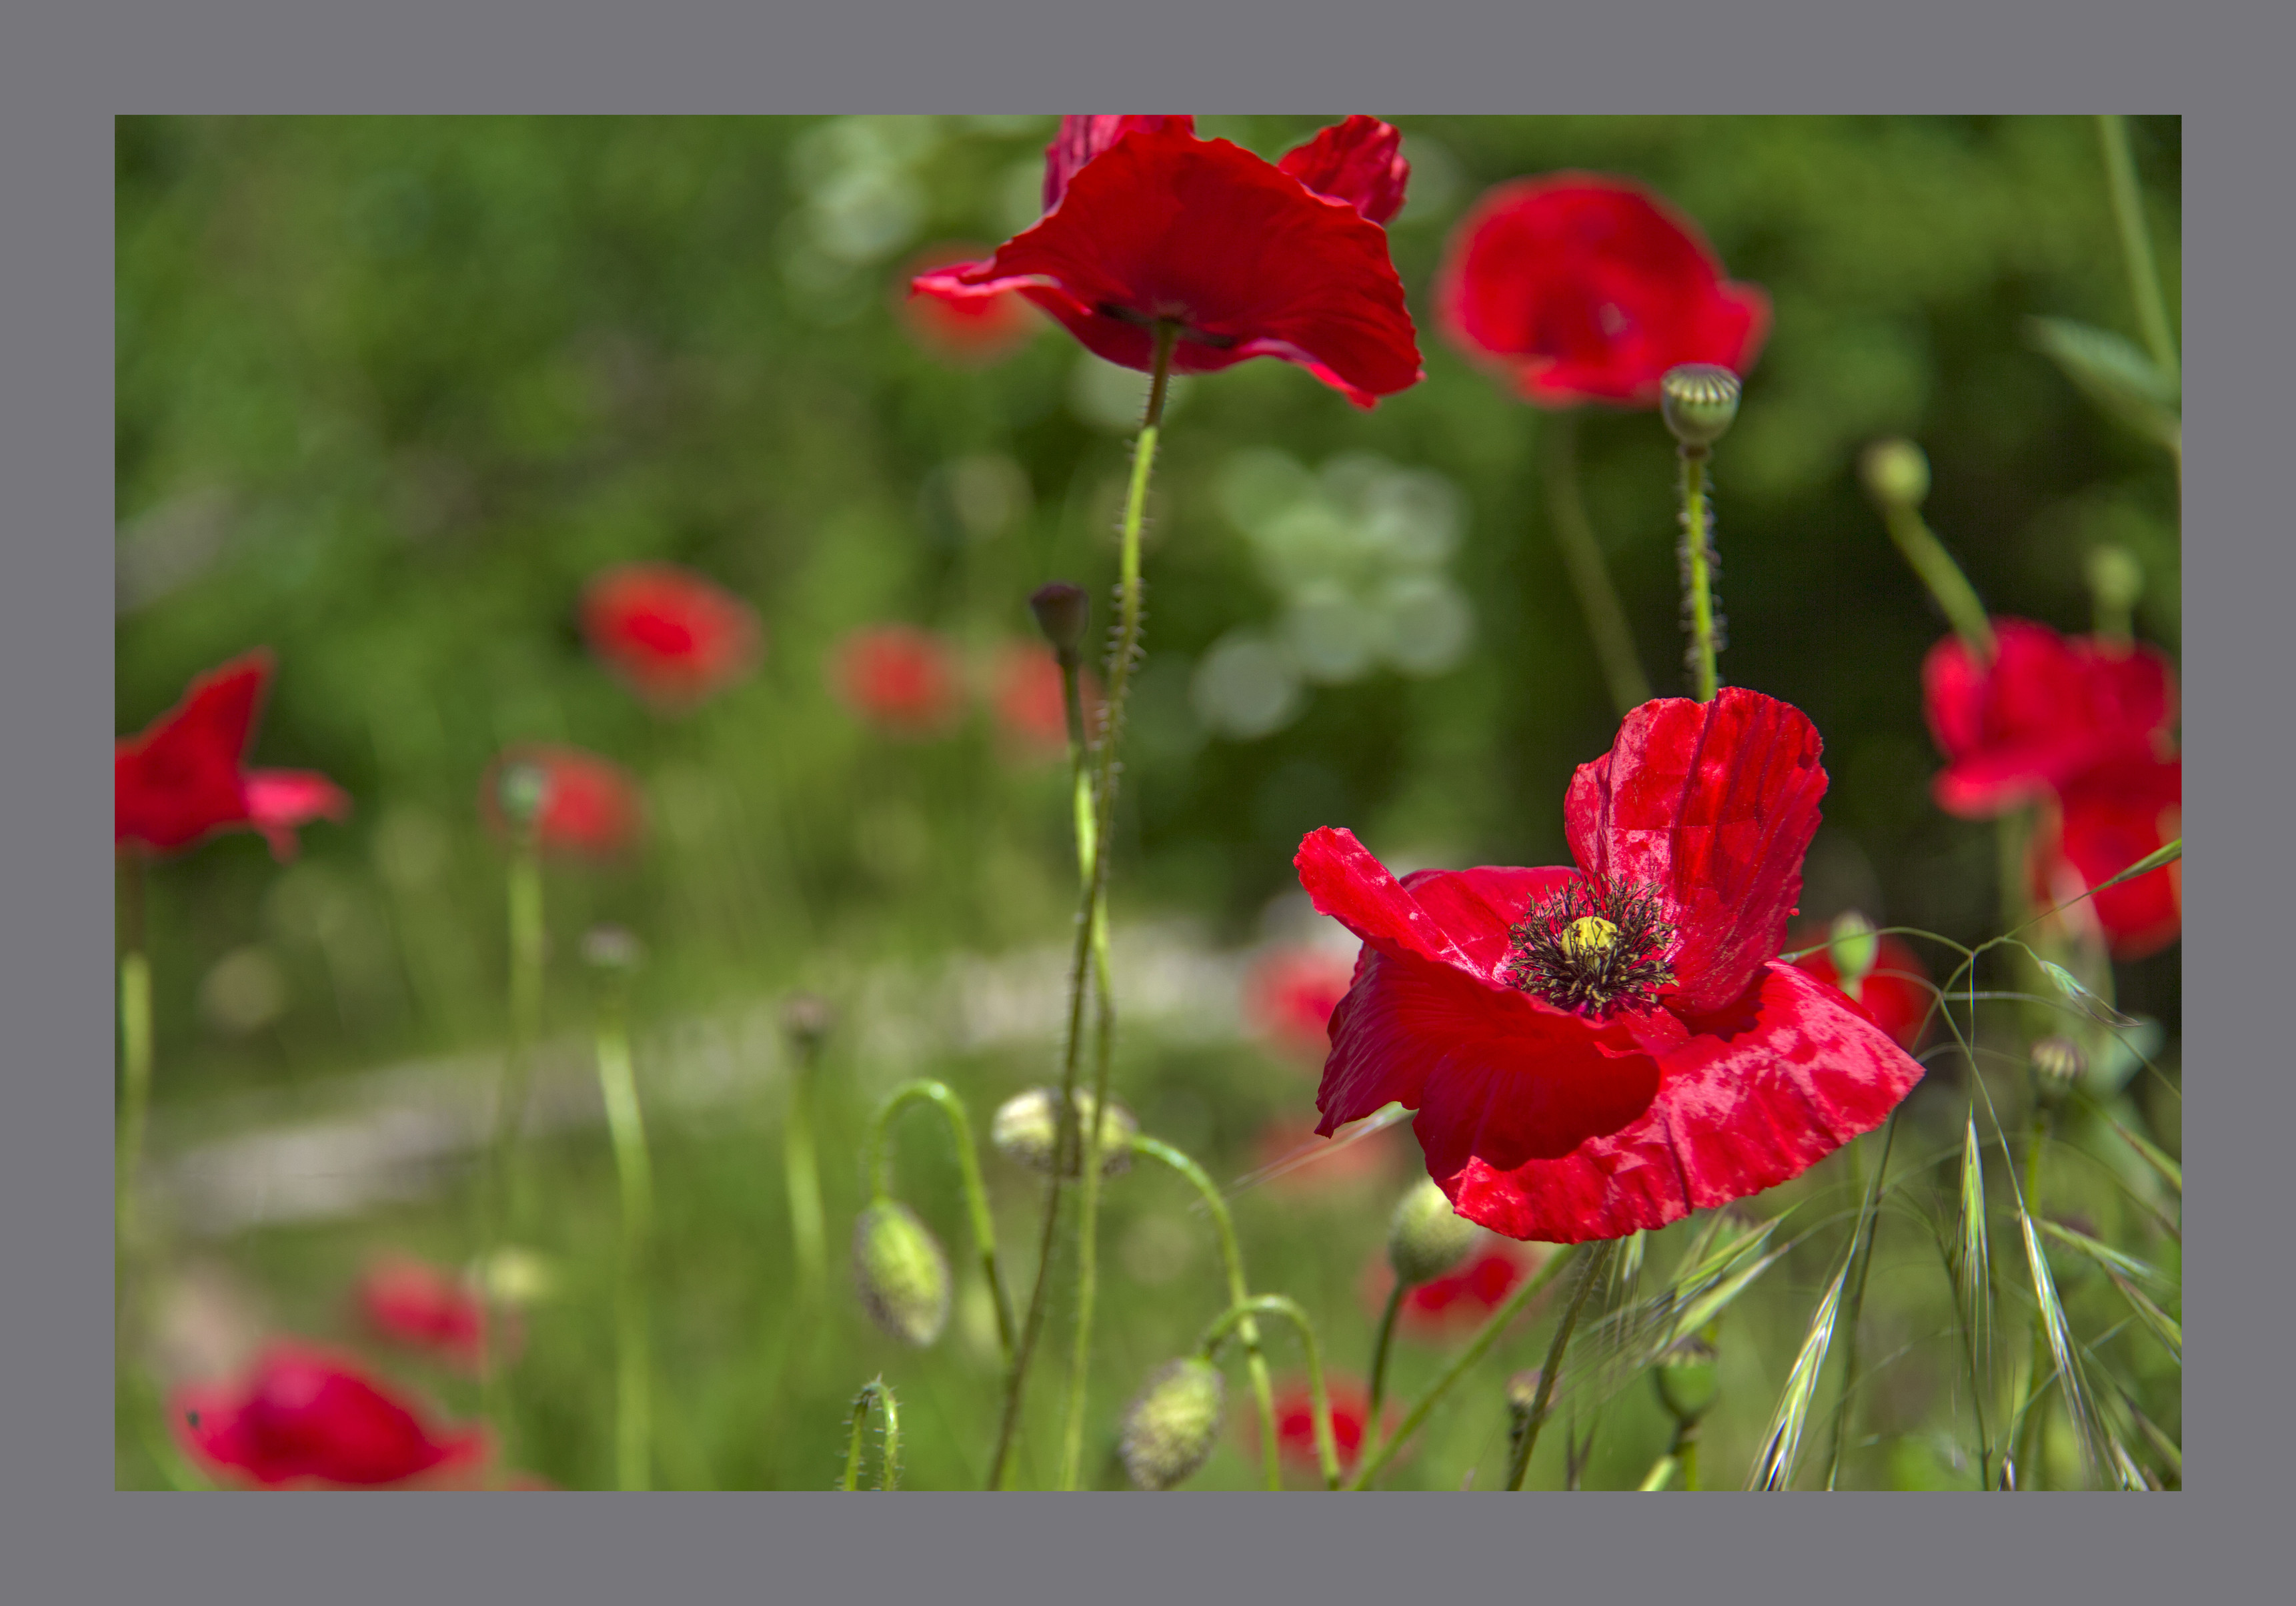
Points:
(499, 1211)
(1238, 1319)
(1598, 598)
(880, 1165)
(1697, 547)
(1379, 1352)
(1263, 1393)
(1589, 1274)
(878, 1392)
(1685, 1455)
(134, 1049)
(1661, 1472)
(625, 1125)
(1374, 1463)
(801, 1173)
(2135, 247)
(1934, 566)
(1088, 916)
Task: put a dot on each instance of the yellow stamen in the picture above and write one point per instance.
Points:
(1589, 937)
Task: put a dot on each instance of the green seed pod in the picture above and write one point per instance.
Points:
(1172, 1425)
(1063, 612)
(1698, 401)
(2058, 1063)
(901, 1273)
(1425, 1237)
(1027, 1131)
(1853, 949)
(2115, 578)
(1896, 473)
(1685, 1376)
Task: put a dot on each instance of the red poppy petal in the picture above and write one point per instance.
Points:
(278, 800)
(1082, 138)
(2112, 817)
(1895, 995)
(179, 780)
(1346, 882)
(1360, 161)
(1477, 909)
(1714, 804)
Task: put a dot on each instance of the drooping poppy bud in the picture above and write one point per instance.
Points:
(1896, 473)
(1063, 612)
(1698, 401)
(1027, 1131)
(1425, 1237)
(1172, 1425)
(901, 1273)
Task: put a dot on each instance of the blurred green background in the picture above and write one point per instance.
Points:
(390, 390)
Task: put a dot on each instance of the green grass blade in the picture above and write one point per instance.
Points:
(2100, 1448)
(2171, 1171)
(2106, 1256)
(1972, 1287)
(1773, 1467)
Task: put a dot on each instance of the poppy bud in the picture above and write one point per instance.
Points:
(1425, 1237)
(1698, 401)
(520, 789)
(2115, 579)
(807, 1018)
(2058, 1063)
(1853, 949)
(1063, 611)
(1896, 473)
(1685, 1376)
(901, 1273)
(1027, 1131)
(612, 948)
(1171, 1427)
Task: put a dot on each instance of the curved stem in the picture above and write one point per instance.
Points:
(2135, 247)
(1379, 1349)
(633, 1169)
(880, 1167)
(878, 1392)
(499, 1211)
(1463, 1363)
(1238, 1318)
(1934, 566)
(1582, 559)
(1120, 679)
(1263, 1391)
(1697, 552)
(1589, 1274)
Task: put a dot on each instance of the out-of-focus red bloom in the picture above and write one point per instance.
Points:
(1588, 288)
(1295, 1421)
(2107, 818)
(2043, 711)
(971, 333)
(1031, 709)
(1461, 1300)
(181, 779)
(672, 637)
(413, 1303)
(1895, 993)
(1310, 1166)
(1599, 1049)
(898, 678)
(591, 807)
(1288, 996)
(1146, 222)
(306, 1416)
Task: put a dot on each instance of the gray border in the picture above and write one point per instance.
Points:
(66, 73)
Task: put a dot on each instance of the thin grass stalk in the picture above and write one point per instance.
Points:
(1861, 1241)
(1590, 1273)
(2137, 246)
(1582, 559)
(498, 1212)
(633, 1172)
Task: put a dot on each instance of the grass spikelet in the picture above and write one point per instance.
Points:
(1972, 1291)
(1774, 1468)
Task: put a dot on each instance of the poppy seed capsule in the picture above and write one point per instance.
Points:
(1896, 473)
(901, 1273)
(1698, 401)
(1853, 948)
(1027, 1131)
(1685, 1376)
(1173, 1423)
(1063, 611)
(1425, 1237)
(2059, 1062)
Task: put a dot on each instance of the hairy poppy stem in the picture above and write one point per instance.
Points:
(1237, 1319)
(1589, 1274)
(1697, 555)
(1598, 597)
(876, 1392)
(879, 1164)
(1263, 1391)
(498, 1208)
(1379, 1352)
(1375, 1462)
(634, 1171)
(1125, 649)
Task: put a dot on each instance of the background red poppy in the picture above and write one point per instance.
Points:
(674, 636)
(591, 807)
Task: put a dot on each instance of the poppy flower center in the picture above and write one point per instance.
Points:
(1593, 946)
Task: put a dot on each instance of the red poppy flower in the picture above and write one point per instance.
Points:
(590, 806)
(1895, 993)
(306, 1416)
(971, 333)
(899, 679)
(1601, 1049)
(2107, 817)
(1295, 1421)
(413, 1303)
(2044, 709)
(1589, 288)
(181, 780)
(1031, 707)
(1290, 993)
(673, 637)
(1146, 222)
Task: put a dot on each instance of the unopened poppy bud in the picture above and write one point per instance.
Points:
(1063, 611)
(1853, 948)
(1896, 473)
(521, 788)
(612, 948)
(1698, 401)
(1425, 1237)
(1027, 1131)
(1685, 1376)
(2058, 1063)
(901, 1273)
(2115, 579)
(1172, 1425)
(807, 1018)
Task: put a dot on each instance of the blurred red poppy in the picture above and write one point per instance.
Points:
(306, 1416)
(672, 637)
(1295, 1421)
(2110, 816)
(1462, 1298)
(1290, 993)
(1585, 287)
(1601, 1049)
(181, 780)
(1896, 993)
(415, 1303)
(971, 333)
(590, 806)
(900, 679)
(1146, 222)
(1031, 708)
